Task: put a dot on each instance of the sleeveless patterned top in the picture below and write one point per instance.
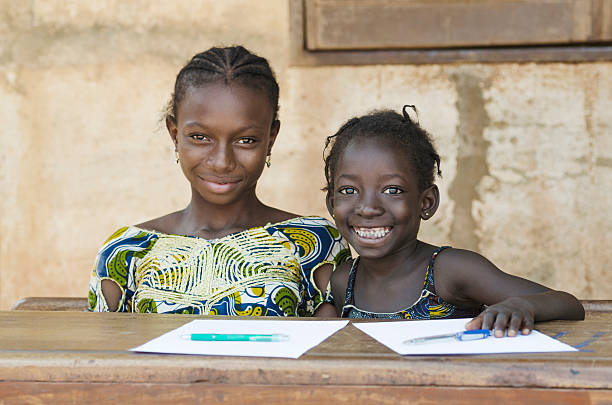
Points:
(428, 306)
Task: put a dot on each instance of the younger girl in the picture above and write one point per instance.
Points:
(380, 173)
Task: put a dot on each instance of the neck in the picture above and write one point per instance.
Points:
(401, 262)
(203, 218)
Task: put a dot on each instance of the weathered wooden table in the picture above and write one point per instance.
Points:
(73, 357)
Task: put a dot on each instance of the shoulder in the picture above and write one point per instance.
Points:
(456, 270)
(460, 259)
(274, 215)
(130, 232)
(315, 239)
(123, 245)
(128, 238)
(164, 224)
(314, 224)
(315, 231)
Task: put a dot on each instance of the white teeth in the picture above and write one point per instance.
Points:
(372, 233)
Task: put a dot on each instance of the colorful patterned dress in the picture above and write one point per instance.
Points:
(262, 271)
(428, 306)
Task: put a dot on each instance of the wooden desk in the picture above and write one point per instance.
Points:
(72, 357)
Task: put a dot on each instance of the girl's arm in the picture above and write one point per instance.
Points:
(325, 310)
(339, 281)
(322, 279)
(467, 279)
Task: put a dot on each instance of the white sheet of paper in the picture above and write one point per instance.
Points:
(393, 335)
(303, 335)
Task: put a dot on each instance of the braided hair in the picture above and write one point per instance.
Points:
(226, 65)
(387, 125)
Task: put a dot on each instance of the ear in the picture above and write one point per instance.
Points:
(273, 134)
(329, 202)
(430, 199)
(172, 130)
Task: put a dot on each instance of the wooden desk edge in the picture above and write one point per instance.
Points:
(418, 371)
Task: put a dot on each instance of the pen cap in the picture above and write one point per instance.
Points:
(473, 334)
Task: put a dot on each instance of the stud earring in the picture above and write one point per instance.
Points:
(268, 162)
(427, 214)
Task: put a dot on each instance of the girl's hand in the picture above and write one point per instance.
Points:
(513, 314)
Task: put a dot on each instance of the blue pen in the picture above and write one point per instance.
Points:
(460, 336)
(236, 337)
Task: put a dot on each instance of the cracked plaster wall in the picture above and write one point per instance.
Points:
(526, 148)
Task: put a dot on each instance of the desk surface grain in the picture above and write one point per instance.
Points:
(65, 349)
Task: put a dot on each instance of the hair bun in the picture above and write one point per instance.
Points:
(407, 116)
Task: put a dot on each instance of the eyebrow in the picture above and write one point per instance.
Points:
(347, 177)
(196, 124)
(392, 175)
(382, 176)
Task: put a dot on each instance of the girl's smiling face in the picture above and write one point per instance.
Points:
(222, 135)
(376, 202)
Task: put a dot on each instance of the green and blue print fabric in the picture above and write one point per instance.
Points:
(262, 271)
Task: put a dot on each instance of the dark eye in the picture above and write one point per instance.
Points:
(347, 190)
(246, 141)
(392, 190)
(198, 137)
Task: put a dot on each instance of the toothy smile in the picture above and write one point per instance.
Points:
(372, 233)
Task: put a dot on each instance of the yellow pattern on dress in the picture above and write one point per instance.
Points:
(199, 273)
(439, 311)
(302, 238)
(252, 310)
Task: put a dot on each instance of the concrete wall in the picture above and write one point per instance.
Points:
(526, 148)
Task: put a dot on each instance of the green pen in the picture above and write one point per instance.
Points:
(236, 337)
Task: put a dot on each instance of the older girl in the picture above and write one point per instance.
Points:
(226, 253)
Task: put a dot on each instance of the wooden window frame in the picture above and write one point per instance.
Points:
(569, 52)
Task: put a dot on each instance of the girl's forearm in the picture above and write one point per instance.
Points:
(553, 304)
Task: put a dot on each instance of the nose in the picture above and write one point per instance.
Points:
(370, 205)
(221, 158)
